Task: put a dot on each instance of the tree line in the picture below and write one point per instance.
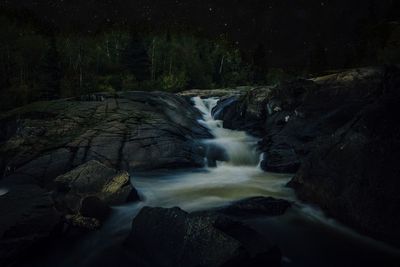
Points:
(37, 66)
(42, 65)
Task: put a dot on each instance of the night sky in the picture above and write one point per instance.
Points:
(287, 28)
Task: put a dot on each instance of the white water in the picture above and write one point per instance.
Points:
(3, 191)
(240, 147)
(305, 235)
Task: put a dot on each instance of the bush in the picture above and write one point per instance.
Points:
(174, 82)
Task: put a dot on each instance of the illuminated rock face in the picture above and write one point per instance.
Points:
(131, 130)
(90, 189)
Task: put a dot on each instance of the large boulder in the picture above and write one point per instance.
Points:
(127, 131)
(172, 237)
(28, 217)
(90, 189)
(256, 206)
(244, 112)
(294, 114)
(340, 133)
(354, 173)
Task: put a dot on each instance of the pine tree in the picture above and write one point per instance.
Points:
(136, 59)
(319, 61)
(50, 72)
(260, 64)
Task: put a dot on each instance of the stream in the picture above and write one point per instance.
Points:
(305, 236)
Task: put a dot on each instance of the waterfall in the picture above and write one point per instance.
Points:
(239, 147)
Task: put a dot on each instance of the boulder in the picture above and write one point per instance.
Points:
(126, 131)
(214, 153)
(354, 174)
(291, 116)
(245, 112)
(340, 133)
(256, 206)
(90, 189)
(172, 237)
(28, 217)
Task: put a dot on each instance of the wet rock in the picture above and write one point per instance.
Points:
(281, 159)
(266, 206)
(91, 188)
(127, 131)
(340, 134)
(215, 153)
(204, 93)
(354, 173)
(245, 112)
(172, 237)
(293, 115)
(94, 207)
(28, 217)
(80, 224)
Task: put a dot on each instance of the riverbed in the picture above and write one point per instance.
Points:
(305, 235)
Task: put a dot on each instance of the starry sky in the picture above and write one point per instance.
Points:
(287, 28)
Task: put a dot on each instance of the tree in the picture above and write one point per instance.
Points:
(260, 64)
(136, 59)
(50, 72)
(319, 61)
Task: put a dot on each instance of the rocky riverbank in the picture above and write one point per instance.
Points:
(64, 162)
(340, 134)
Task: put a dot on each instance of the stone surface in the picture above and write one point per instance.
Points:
(341, 132)
(354, 174)
(206, 93)
(91, 188)
(128, 131)
(291, 116)
(172, 237)
(28, 217)
(257, 206)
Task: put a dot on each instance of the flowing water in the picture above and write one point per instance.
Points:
(305, 236)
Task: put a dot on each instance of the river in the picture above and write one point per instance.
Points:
(305, 236)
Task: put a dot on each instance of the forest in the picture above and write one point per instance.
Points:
(40, 61)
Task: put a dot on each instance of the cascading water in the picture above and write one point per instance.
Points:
(305, 237)
(239, 146)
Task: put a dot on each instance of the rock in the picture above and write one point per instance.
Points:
(127, 131)
(291, 116)
(91, 188)
(354, 174)
(215, 153)
(204, 93)
(28, 217)
(82, 223)
(172, 237)
(94, 207)
(244, 112)
(266, 206)
(280, 159)
(340, 134)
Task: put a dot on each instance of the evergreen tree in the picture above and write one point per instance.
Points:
(50, 72)
(136, 59)
(260, 64)
(319, 61)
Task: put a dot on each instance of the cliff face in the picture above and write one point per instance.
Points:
(341, 134)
